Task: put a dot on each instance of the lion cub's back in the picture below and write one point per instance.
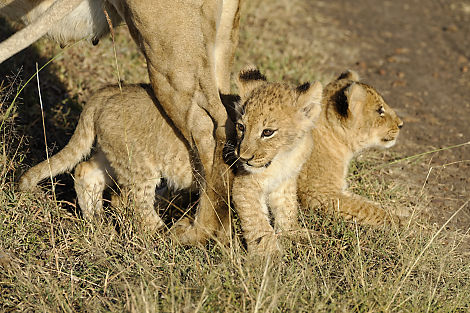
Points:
(137, 138)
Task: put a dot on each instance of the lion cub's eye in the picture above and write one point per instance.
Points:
(381, 111)
(267, 133)
(241, 127)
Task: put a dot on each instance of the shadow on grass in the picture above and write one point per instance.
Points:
(61, 112)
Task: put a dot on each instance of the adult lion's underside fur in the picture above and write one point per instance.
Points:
(189, 46)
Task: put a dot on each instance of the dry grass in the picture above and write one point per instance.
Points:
(290, 41)
(51, 260)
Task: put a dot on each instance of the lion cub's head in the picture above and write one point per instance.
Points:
(272, 118)
(360, 113)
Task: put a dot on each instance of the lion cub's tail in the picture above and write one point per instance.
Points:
(78, 147)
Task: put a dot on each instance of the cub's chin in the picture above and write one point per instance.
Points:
(256, 168)
(388, 142)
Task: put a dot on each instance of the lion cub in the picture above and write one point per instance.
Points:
(135, 144)
(274, 132)
(354, 117)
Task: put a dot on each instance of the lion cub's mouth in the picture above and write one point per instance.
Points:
(259, 166)
(388, 142)
(390, 136)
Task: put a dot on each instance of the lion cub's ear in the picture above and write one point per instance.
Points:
(349, 75)
(309, 100)
(249, 78)
(356, 95)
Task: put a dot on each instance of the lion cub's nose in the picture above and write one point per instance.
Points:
(399, 122)
(246, 159)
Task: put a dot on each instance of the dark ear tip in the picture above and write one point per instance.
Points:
(251, 73)
(349, 75)
(303, 88)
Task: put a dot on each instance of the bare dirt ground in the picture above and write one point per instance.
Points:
(414, 52)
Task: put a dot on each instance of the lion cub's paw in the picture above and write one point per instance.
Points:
(381, 216)
(393, 219)
(404, 215)
(151, 222)
(300, 234)
(180, 228)
(265, 245)
(26, 185)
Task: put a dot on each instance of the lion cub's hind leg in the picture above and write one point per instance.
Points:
(91, 178)
(352, 206)
(142, 193)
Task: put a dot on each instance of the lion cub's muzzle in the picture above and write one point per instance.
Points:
(392, 135)
(246, 162)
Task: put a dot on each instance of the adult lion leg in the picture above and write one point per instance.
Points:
(226, 43)
(185, 84)
(217, 218)
(212, 217)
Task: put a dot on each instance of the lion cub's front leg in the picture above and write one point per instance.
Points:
(284, 206)
(248, 196)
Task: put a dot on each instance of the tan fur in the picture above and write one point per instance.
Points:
(137, 147)
(271, 162)
(24, 10)
(338, 138)
(189, 47)
(85, 21)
